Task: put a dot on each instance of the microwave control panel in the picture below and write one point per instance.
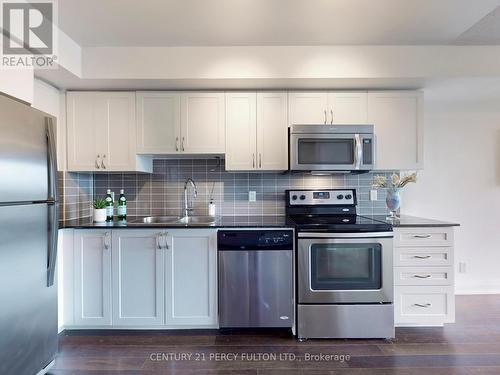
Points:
(331, 197)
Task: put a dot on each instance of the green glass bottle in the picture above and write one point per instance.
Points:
(122, 206)
(109, 206)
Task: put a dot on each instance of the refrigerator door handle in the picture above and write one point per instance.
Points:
(53, 234)
(52, 159)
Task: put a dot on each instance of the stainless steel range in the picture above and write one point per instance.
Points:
(344, 267)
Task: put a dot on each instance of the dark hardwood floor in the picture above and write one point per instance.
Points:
(471, 346)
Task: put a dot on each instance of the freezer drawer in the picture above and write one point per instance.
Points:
(28, 313)
(255, 288)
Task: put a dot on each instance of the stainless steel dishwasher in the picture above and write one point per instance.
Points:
(256, 286)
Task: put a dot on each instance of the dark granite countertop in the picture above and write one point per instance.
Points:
(413, 221)
(222, 222)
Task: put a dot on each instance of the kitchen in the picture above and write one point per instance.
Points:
(327, 202)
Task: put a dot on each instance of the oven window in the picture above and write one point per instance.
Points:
(346, 266)
(326, 151)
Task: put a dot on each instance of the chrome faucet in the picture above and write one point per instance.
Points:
(187, 206)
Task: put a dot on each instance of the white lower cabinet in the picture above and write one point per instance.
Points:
(144, 278)
(138, 278)
(92, 277)
(423, 276)
(191, 278)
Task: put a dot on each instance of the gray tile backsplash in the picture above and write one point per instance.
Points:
(161, 193)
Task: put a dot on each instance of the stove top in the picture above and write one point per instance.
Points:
(337, 223)
(329, 210)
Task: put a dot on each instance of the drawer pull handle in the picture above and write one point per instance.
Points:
(422, 236)
(422, 256)
(426, 305)
(422, 277)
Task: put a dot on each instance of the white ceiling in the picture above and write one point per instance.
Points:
(110, 23)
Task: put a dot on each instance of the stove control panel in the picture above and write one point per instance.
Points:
(330, 197)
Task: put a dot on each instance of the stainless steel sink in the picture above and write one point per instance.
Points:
(161, 219)
(197, 220)
(181, 221)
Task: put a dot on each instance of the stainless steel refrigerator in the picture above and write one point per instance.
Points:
(28, 239)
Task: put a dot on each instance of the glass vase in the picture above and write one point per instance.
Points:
(393, 202)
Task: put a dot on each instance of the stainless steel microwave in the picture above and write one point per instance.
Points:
(331, 148)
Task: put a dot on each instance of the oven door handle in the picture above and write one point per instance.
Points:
(345, 235)
(358, 152)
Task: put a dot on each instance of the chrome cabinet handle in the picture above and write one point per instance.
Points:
(260, 160)
(176, 143)
(422, 236)
(253, 160)
(422, 256)
(158, 241)
(182, 145)
(331, 112)
(422, 277)
(107, 241)
(97, 162)
(426, 305)
(165, 246)
(102, 161)
(325, 116)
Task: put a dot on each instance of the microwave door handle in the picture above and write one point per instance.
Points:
(358, 152)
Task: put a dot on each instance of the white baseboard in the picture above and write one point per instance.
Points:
(477, 290)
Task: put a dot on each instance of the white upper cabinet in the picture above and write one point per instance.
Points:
(256, 131)
(202, 122)
(398, 120)
(191, 278)
(347, 108)
(322, 107)
(138, 277)
(158, 122)
(308, 108)
(92, 277)
(272, 131)
(241, 132)
(173, 122)
(101, 131)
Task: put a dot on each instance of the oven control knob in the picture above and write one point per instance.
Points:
(294, 197)
(302, 197)
(348, 196)
(340, 196)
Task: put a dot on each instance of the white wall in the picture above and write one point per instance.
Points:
(461, 179)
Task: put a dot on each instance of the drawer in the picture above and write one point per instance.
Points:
(423, 237)
(423, 275)
(420, 256)
(424, 305)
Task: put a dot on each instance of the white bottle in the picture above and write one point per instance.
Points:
(211, 209)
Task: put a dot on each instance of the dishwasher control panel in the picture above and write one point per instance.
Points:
(267, 239)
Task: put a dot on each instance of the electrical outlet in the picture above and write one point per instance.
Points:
(462, 267)
(252, 196)
(373, 195)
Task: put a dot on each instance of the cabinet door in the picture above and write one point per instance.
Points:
(397, 117)
(92, 278)
(241, 132)
(202, 122)
(82, 131)
(272, 131)
(307, 108)
(138, 272)
(116, 137)
(158, 122)
(191, 278)
(347, 108)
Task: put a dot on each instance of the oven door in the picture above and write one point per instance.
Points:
(346, 269)
(331, 152)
